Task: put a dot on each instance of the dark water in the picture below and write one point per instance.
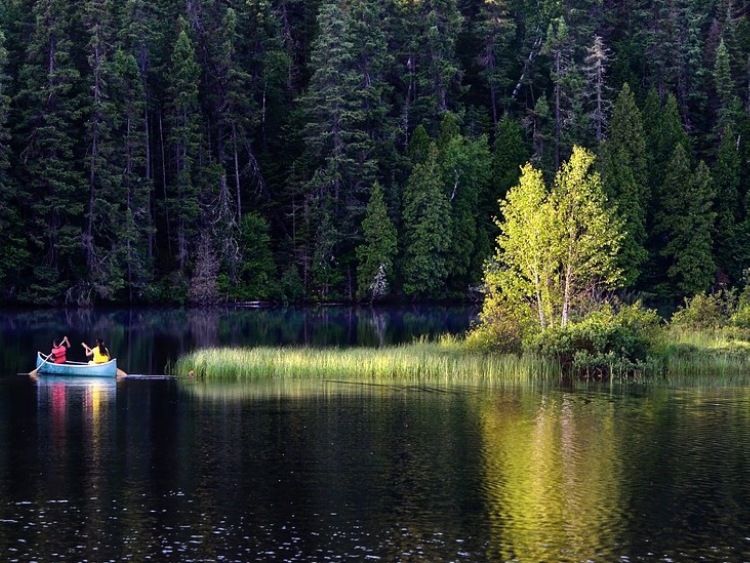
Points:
(176, 470)
(145, 341)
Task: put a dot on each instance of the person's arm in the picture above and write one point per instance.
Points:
(89, 351)
(65, 341)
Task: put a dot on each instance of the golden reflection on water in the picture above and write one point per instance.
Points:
(551, 476)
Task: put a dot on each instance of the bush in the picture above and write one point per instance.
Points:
(500, 329)
(741, 317)
(606, 343)
(706, 311)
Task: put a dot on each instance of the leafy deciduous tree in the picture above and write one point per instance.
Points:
(557, 247)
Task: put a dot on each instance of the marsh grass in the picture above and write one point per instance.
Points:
(720, 355)
(723, 353)
(443, 362)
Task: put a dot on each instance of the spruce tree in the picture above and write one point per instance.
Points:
(136, 228)
(181, 207)
(596, 91)
(510, 151)
(49, 109)
(103, 210)
(729, 252)
(465, 168)
(377, 252)
(624, 177)
(14, 248)
(497, 30)
(345, 111)
(429, 56)
(724, 86)
(427, 227)
(686, 223)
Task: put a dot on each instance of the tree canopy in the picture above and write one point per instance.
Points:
(135, 137)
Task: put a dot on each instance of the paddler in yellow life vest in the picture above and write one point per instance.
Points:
(98, 354)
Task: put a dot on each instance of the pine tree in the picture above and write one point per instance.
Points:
(49, 106)
(103, 210)
(128, 98)
(510, 152)
(724, 86)
(14, 249)
(497, 30)
(183, 119)
(377, 253)
(686, 222)
(566, 88)
(427, 228)
(465, 167)
(624, 177)
(596, 91)
(728, 250)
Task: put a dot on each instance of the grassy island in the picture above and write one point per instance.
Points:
(445, 361)
(709, 337)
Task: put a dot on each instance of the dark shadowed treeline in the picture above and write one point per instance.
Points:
(157, 151)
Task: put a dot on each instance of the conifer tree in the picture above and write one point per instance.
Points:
(566, 88)
(664, 131)
(135, 220)
(345, 110)
(596, 91)
(497, 30)
(257, 273)
(686, 222)
(419, 146)
(433, 73)
(724, 86)
(728, 250)
(688, 61)
(377, 252)
(465, 167)
(103, 210)
(540, 124)
(14, 249)
(624, 177)
(49, 107)
(510, 152)
(182, 207)
(427, 228)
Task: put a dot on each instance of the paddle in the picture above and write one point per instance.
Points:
(33, 373)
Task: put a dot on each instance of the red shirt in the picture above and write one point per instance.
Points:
(59, 354)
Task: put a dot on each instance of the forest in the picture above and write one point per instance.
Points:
(204, 151)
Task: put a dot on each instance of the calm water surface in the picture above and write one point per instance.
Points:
(148, 469)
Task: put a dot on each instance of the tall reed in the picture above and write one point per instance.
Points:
(435, 362)
(722, 353)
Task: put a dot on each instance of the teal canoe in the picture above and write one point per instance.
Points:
(77, 369)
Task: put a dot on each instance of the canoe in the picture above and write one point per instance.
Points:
(78, 369)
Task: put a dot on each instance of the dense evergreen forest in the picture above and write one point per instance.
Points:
(156, 151)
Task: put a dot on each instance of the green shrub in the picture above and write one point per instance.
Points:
(606, 343)
(500, 329)
(706, 311)
(741, 317)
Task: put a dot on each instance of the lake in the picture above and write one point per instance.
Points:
(167, 469)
